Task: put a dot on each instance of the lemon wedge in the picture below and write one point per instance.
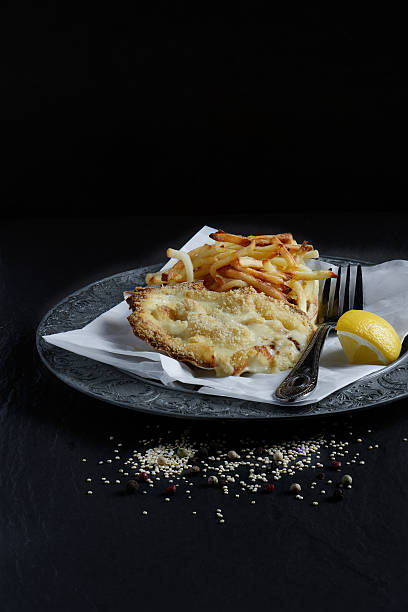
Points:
(367, 338)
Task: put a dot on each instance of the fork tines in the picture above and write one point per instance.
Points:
(358, 291)
(335, 311)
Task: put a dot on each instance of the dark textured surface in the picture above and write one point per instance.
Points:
(64, 550)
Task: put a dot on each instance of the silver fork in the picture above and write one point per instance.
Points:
(302, 379)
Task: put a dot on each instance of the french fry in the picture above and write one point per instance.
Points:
(250, 262)
(269, 238)
(311, 255)
(223, 237)
(299, 294)
(313, 274)
(223, 261)
(286, 255)
(271, 263)
(232, 284)
(260, 285)
(265, 276)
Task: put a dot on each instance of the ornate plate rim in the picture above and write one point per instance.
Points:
(302, 412)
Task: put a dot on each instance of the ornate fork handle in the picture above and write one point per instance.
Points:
(302, 379)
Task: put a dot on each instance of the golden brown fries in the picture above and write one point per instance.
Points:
(272, 263)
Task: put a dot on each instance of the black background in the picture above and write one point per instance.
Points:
(124, 131)
(178, 107)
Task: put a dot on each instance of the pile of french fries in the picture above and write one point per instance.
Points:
(273, 264)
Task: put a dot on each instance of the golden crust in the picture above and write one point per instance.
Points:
(216, 330)
(155, 336)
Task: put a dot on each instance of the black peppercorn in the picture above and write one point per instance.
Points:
(132, 486)
(194, 469)
(321, 476)
(338, 495)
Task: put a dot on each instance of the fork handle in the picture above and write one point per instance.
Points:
(302, 379)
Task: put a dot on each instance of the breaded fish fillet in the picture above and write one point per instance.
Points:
(231, 332)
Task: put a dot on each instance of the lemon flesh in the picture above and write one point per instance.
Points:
(367, 338)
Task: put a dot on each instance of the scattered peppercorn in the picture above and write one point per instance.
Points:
(132, 486)
(338, 495)
(232, 455)
(248, 469)
(268, 488)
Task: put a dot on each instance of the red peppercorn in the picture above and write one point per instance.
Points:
(171, 489)
(336, 464)
(268, 488)
(142, 477)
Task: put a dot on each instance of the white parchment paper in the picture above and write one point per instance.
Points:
(109, 339)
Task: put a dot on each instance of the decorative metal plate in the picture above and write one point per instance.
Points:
(111, 385)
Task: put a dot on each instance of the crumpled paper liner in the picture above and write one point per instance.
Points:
(109, 339)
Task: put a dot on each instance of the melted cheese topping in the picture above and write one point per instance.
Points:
(233, 332)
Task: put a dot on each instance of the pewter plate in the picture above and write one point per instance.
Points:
(111, 385)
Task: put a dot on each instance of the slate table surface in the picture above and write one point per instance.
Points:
(62, 549)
